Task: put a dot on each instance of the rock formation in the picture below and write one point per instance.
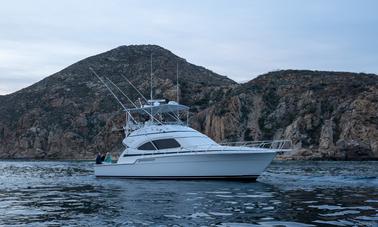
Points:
(327, 115)
(71, 115)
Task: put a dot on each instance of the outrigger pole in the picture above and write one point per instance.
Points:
(119, 101)
(109, 89)
(119, 89)
(128, 115)
(114, 95)
(136, 89)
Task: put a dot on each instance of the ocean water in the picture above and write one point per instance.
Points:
(289, 193)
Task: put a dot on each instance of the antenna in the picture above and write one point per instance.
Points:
(177, 82)
(151, 76)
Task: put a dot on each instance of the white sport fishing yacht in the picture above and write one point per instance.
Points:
(159, 144)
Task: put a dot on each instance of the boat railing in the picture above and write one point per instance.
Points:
(174, 123)
(280, 146)
(135, 126)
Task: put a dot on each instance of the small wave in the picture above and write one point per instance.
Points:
(225, 196)
(198, 215)
(330, 207)
(341, 213)
(220, 214)
(219, 192)
(336, 223)
(172, 216)
(266, 224)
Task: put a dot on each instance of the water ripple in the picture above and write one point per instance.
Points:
(288, 194)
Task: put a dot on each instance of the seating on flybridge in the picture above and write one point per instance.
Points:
(159, 144)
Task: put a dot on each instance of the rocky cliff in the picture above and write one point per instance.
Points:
(327, 115)
(70, 114)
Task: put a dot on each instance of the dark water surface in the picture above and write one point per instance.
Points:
(288, 194)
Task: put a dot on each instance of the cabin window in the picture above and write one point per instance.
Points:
(166, 144)
(160, 144)
(147, 146)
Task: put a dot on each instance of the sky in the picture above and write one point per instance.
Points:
(240, 38)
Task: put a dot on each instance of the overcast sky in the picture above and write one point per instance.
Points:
(239, 39)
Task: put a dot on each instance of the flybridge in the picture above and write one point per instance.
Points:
(159, 108)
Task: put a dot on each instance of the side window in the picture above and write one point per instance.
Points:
(166, 143)
(146, 146)
(160, 144)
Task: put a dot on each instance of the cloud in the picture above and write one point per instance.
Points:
(240, 39)
(24, 63)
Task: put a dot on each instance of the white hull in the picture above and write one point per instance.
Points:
(204, 165)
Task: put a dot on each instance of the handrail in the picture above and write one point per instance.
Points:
(278, 145)
(272, 144)
(138, 125)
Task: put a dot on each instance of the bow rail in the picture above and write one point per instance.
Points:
(282, 145)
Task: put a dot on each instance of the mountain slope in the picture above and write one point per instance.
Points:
(70, 114)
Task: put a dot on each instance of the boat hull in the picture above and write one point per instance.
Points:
(210, 165)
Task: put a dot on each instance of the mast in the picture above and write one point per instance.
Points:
(151, 76)
(177, 83)
(152, 119)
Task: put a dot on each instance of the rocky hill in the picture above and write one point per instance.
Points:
(327, 115)
(70, 114)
